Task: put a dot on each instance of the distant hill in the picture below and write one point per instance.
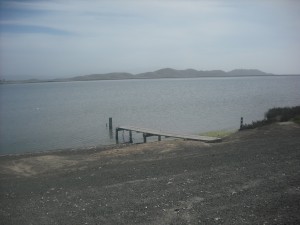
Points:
(249, 72)
(191, 73)
(108, 76)
(162, 73)
(172, 73)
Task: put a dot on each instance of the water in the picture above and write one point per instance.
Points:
(47, 116)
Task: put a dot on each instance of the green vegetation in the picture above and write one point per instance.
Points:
(219, 133)
(276, 115)
(283, 114)
(296, 119)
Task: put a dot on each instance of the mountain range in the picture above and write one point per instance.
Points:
(162, 73)
(169, 73)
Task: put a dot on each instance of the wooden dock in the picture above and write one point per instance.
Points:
(159, 134)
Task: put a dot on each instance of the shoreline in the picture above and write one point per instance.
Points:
(68, 150)
(162, 78)
(252, 177)
(89, 148)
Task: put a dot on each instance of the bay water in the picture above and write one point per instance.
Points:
(64, 115)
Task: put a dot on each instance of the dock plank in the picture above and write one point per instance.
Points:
(169, 134)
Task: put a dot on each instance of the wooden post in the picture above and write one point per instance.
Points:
(241, 125)
(145, 137)
(110, 123)
(111, 134)
(159, 138)
(130, 137)
(117, 135)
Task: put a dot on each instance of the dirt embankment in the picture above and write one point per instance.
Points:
(252, 177)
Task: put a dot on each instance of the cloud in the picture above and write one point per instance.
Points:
(61, 38)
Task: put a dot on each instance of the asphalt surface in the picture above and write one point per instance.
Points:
(252, 177)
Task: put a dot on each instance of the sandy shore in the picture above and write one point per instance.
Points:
(252, 177)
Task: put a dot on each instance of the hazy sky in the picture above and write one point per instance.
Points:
(54, 38)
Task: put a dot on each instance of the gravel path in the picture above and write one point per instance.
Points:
(252, 177)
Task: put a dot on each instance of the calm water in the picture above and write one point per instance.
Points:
(46, 116)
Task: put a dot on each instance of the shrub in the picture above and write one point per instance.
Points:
(276, 115)
(282, 114)
(297, 119)
(255, 124)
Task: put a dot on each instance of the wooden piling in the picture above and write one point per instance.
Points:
(111, 134)
(110, 123)
(241, 125)
(130, 137)
(117, 135)
(159, 138)
(145, 137)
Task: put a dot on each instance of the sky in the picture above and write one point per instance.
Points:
(65, 38)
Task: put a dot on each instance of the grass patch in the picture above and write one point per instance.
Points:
(219, 133)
